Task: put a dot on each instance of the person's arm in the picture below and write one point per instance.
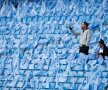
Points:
(88, 38)
(100, 53)
(105, 51)
(75, 33)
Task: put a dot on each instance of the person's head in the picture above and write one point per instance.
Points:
(84, 26)
(101, 43)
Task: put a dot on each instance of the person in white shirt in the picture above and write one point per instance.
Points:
(85, 36)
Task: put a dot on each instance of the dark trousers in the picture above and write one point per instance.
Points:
(84, 49)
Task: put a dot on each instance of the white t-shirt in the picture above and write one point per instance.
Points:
(101, 50)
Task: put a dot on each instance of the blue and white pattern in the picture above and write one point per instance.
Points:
(38, 51)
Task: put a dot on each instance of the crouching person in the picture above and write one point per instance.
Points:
(103, 52)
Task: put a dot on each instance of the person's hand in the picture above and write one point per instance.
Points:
(98, 53)
(69, 26)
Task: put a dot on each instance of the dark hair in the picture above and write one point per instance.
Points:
(87, 24)
(101, 41)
